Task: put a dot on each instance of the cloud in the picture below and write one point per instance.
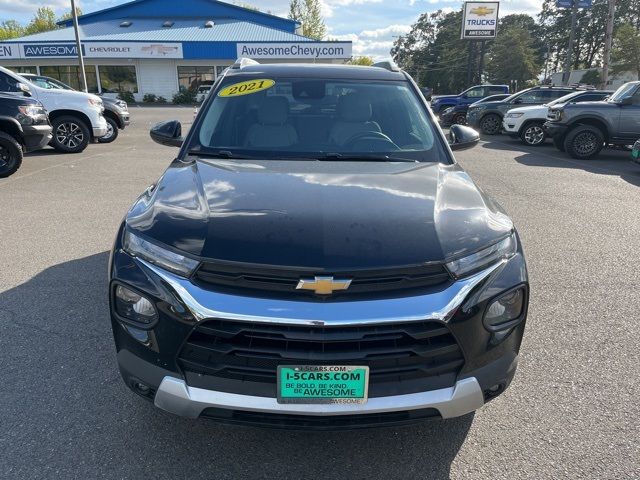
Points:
(29, 7)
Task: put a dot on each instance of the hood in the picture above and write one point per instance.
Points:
(589, 106)
(68, 94)
(331, 215)
(530, 108)
(435, 98)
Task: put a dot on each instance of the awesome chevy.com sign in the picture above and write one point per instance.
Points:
(292, 51)
(480, 20)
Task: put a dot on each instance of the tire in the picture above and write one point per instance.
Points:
(112, 131)
(70, 134)
(558, 142)
(491, 124)
(584, 142)
(10, 155)
(459, 119)
(532, 134)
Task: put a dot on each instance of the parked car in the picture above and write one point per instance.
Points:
(527, 123)
(24, 126)
(488, 116)
(203, 90)
(582, 129)
(116, 111)
(441, 102)
(458, 115)
(331, 266)
(76, 117)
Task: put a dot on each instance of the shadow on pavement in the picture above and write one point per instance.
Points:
(67, 414)
(608, 161)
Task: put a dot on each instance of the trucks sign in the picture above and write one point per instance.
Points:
(480, 20)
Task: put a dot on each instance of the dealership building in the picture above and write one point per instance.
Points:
(163, 46)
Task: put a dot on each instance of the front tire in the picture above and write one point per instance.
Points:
(532, 134)
(112, 131)
(459, 119)
(10, 155)
(70, 134)
(584, 142)
(491, 124)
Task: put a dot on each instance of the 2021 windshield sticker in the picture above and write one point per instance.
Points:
(246, 88)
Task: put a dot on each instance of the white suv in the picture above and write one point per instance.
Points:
(526, 122)
(76, 117)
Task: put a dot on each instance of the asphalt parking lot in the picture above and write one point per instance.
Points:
(571, 412)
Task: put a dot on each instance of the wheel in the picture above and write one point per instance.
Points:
(70, 134)
(491, 124)
(459, 119)
(558, 142)
(112, 131)
(10, 155)
(532, 134)
(584, 142)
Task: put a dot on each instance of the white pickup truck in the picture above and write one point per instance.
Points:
(76, 117)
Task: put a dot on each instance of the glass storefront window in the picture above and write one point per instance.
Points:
(70, 74)
(118, 78)
(190, 78)
(220, 69)
(24, 69)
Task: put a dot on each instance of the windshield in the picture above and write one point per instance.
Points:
(290, 117)
(624, 91)
(565, 99)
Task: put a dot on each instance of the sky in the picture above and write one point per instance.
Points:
(371, 25)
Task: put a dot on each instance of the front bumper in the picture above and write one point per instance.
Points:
(150, 357)
(555, 130)
(511, 126)
(36, 137)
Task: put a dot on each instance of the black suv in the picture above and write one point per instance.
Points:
(488, 116)
(24, 126)
(315, 257)
(582, 129)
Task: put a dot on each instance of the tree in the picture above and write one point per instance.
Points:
(43, 21)
(10, 29)
(364, 61)
(591, 77)
(625, 54)
(309, 14)
(67, 16)
(513, 57)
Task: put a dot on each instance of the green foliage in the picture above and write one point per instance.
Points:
(513, 57)
(591, 77)
(149, 98)
(67, 16)
(10, 29)
(43, 21)
(364, 61)
(127, 97)
(625, 55)
(185, 96)
(309, 14)
(161, 100)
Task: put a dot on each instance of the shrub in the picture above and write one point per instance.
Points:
(185, 96)
(161, 100)
(149, 98)
(127, 97)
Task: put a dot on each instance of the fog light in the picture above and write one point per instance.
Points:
(133, 306)
(505, 309)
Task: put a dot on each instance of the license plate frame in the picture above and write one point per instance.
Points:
(354, 391)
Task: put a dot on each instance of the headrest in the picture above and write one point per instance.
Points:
(354, 108)
(273, 110)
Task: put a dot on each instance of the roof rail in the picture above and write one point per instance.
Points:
(387, 65)
(243, 62)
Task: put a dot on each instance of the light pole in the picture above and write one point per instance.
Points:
(74, 15)
(608, 40)
(572, 36)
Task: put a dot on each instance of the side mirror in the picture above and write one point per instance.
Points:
(167, 133)
(461, 137)
(24, 88)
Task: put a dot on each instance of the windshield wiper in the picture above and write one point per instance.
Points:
(219, 154)
(365, 157)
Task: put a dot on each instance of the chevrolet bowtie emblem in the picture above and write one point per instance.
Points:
(481, 11)
(323, 285)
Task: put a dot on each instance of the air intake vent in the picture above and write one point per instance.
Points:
(125, 24)
(168, 24)
(209, 24)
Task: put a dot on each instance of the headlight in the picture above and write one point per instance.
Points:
(514, 114)
(133, 306)
(97, 103)
(447, 110)
(152, 253)
(505, 309)
(554, 115)
(475, 262)
(30, 114)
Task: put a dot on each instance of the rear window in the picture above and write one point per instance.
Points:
(280, 117)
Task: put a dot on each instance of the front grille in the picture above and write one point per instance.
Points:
(243, 357)
(283, 280)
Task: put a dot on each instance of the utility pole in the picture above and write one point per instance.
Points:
(481, 61)
(546, 62)
(608, 40)
(74, 15)
(472, 52)
(572, 36)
